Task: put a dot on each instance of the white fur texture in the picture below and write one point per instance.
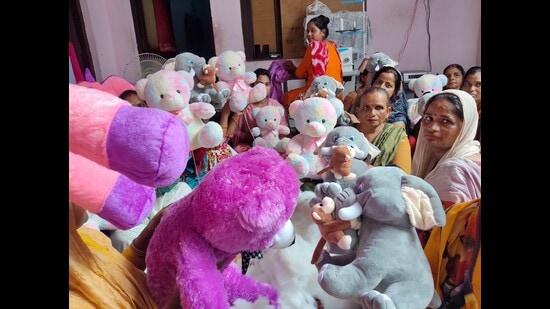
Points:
(289, 270)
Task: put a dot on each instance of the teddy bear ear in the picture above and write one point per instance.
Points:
(339, 87)
(213, 61)
(411, 84)
(443, 79)
(140, 88)
(293, 107)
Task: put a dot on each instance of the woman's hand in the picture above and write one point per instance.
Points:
(289, 66)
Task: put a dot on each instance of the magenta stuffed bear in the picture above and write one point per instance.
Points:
(242, 204)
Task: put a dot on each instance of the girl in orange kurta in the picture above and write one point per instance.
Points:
(321, 58)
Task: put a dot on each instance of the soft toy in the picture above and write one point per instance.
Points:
(376, 61)
(427, 84)
(327, 87)
(242, 204)
(360, 149)
(332, 229)
(233, 75)
(170, 91)
(388, 267)
(268, 118)
(314, 118)
(205, 89)
(341, 159)
(290, 270)
(118, 154)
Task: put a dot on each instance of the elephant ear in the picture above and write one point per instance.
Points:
(422, 203)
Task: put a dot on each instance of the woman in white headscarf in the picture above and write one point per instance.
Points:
(446, 154)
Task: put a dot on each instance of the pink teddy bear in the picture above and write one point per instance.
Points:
(268, 118)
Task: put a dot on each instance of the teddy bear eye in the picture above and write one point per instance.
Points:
(334, 138)
(265, 120)
(178, 91)
(308, 121)
(323, 121)
(352, 138)
(162, 96)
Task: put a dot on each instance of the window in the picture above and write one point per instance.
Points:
(261, 22)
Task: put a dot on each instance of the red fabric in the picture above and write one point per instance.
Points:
(319, 57)
(165, 34)
(78, 75)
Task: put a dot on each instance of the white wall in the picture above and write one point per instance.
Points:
(111, 35)
(455, 28)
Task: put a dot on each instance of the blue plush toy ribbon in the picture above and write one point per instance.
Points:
(246, 256)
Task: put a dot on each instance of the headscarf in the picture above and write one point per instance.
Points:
(424, 163)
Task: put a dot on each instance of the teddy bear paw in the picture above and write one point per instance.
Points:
(375, 299)
(204, 97)
(299, 164)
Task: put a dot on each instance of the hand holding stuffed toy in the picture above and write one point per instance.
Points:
(243, 204)
(322, 213)
(388, 267)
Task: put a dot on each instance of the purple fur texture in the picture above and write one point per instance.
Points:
(246, 287)
(128, 204)
(150, 146)
(240, 205)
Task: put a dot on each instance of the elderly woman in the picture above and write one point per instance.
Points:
(447, 156)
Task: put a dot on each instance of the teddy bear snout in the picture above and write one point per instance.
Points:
(172, 100)
(285, 237)
(315, 129)
(271, 125)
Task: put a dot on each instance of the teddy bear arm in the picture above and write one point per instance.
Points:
(202, 110)
(295, 145)
(190, 286)
(283, 130)
(244, 287)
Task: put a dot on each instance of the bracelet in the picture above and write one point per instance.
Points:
(137, 252)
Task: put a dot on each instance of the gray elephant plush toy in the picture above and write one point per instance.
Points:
(196, 65)
(362, 150)
(388, 268)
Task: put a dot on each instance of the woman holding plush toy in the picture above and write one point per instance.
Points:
(241, 123)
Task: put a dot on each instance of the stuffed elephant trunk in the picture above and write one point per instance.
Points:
(359, 154)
